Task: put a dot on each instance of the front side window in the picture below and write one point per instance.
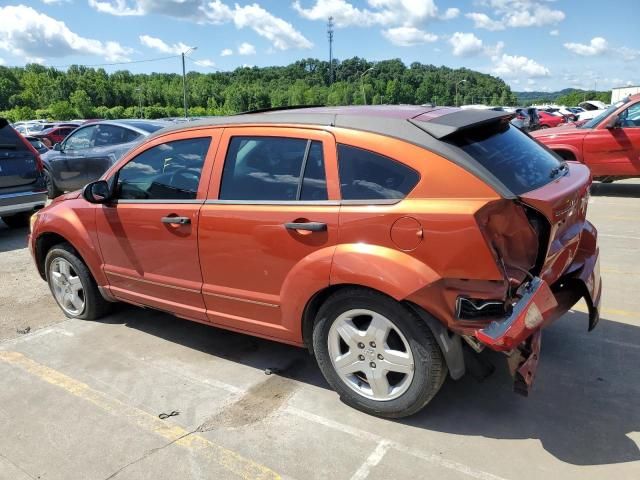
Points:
(630, 118)
(81, 139)
(170, 171)
(273, 169)
(365, 175)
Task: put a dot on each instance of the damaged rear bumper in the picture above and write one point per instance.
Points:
(539, 304)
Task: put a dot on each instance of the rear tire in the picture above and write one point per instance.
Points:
(19, 220)
(72, 284)
(377, 354)
(52, 190)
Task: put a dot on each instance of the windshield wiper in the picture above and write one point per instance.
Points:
(557, 170)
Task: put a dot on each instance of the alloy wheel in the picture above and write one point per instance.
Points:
(67, 286)
(370, 354)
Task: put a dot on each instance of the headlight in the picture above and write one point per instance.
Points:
(32, 221)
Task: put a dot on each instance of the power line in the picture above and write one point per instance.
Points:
(113, 63)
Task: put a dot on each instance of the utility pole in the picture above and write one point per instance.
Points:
(184, 82)
(139, 90)
(330, 35)
(364, 94)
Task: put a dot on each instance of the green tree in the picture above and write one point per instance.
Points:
(81, 102)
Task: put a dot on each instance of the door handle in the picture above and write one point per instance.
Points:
(176, 220)
(308, 226)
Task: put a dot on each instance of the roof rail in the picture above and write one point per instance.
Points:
(276, 109)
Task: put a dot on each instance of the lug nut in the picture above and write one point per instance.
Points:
(372, 365)
(360, 345)
(361, 357)
(380, 357)
(373, 344)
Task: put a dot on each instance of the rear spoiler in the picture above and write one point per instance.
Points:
(446, 125)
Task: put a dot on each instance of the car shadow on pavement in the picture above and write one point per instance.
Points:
(631, 190)
(582, 408)
(12, 238)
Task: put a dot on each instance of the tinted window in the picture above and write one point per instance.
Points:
(80, 139)
(518, 161)
(170, 171)
(365, 175)
(270, 168)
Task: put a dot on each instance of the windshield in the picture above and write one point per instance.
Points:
(594, 122)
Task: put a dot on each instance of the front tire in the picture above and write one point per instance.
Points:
(72, 284)
(377, 354)
(52, 189)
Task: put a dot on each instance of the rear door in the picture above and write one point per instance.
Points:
(268, 211)
(18, 164)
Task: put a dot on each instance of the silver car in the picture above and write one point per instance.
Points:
(90, 150)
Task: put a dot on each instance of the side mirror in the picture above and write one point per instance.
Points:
(613, 122)
(57, 147)
(97, 192)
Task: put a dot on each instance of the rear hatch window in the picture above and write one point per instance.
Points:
(17, 162)
(514, 158)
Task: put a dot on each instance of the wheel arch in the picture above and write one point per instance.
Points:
(567, 153)
(450, 343)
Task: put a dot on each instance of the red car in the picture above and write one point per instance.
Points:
(608, 144)
(549, 120)
(54, 135)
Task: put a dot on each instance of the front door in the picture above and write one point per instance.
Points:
(68, 164)
(270, 225)
(615, 151)
(148, 235)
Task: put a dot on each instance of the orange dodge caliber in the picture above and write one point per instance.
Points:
(387, 240)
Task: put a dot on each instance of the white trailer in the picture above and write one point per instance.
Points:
(619, 93)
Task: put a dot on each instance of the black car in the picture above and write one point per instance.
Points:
(22, 186)
(527, 119)
(90, 150)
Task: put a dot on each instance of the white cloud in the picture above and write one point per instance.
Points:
(205, 62)
(404, 21)
(597, 46)
(26, 32)
(226, 52)
(53, 2)
(482, 20)
(465, 44)
(517, 65)
(408, 36)
(450, 14)
(246, 49)
(515, 14)
(554, 33)
(161, 46)
(628, 54)
(279, 32)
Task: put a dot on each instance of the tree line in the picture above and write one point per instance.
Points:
(36, 91)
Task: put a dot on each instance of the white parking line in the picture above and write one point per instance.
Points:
(625, 237)
(372, 460)
(431, 458)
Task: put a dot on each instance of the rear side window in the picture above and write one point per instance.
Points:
(365, 175)
(170, 171)
(518, 161)
(273, 169)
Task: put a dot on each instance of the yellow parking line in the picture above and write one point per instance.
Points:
(228, 459)
(617, 272)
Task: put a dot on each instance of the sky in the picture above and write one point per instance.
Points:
(533, 45)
